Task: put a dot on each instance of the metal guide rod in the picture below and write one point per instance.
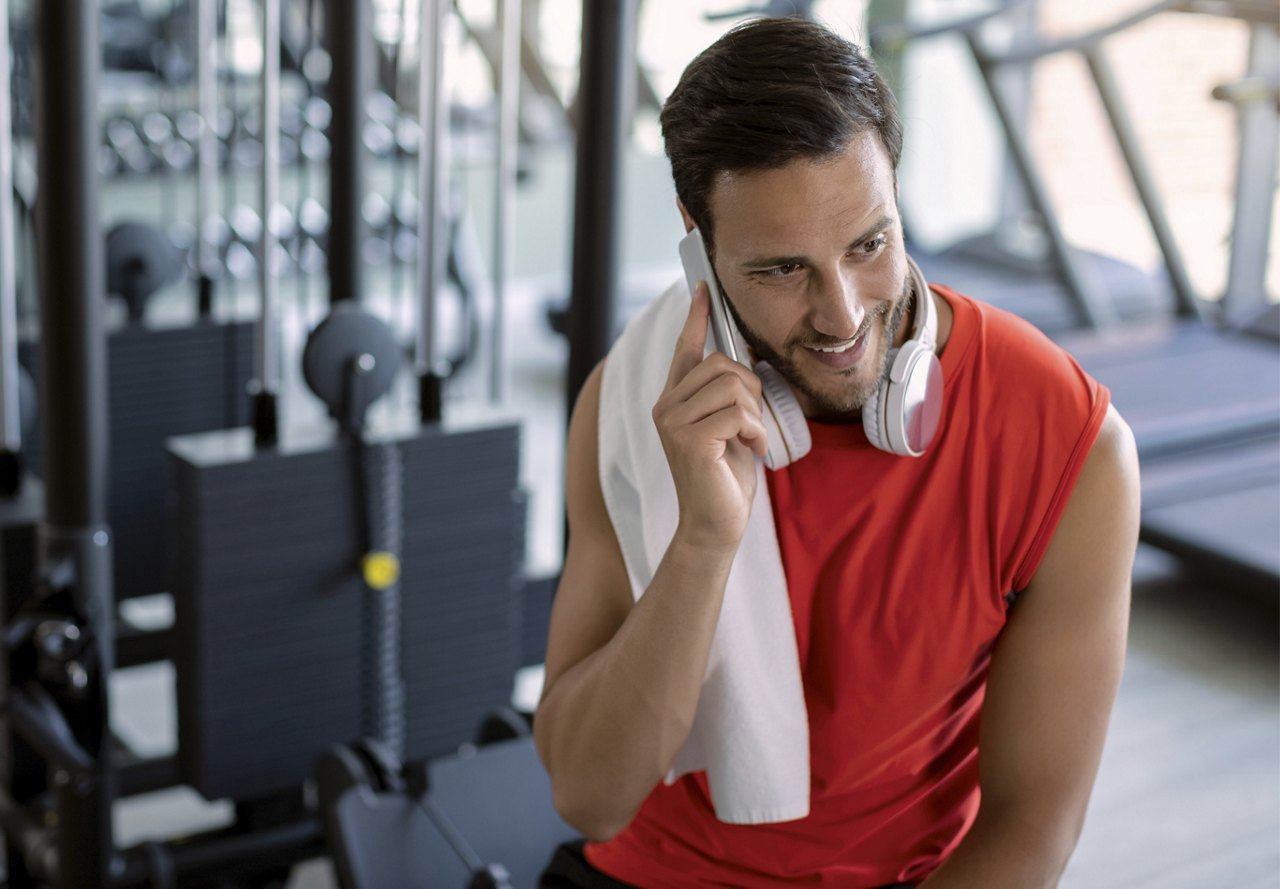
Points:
(351, 49)
(207, 157)
(508, 76)
(10, 418)
(433, 165)
(1038, 49)
(268, 339)
(266, 414)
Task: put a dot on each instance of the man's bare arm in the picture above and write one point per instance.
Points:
(1054, 676)
(623, 680)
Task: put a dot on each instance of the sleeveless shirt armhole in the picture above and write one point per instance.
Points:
(1066, 484)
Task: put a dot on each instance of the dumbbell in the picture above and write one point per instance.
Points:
(404, 242)
(408, 136)
(241, 256)
(109, 162)
(376, 212)
(123, 139)
(379, 129)
(159, 133)
(313, 221)
(313, 236)
(314, 144)
(245, 223)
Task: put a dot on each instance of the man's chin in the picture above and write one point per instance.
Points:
(834, 395)
(830, 403)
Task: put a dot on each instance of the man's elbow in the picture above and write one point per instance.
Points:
(586, 813)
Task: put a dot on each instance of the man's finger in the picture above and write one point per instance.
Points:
(693, 336)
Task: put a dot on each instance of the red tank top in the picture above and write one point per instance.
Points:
(898, 571)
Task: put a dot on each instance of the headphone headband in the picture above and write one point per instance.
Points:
(926, 320)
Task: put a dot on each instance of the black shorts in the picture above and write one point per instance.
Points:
(569, 869)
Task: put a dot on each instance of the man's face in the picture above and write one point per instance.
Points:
(810, 257)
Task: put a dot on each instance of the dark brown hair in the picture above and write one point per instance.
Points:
(769, 92)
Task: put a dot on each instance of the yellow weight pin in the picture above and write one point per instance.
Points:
(381, 569)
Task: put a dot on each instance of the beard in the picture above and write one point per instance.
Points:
(842, 403)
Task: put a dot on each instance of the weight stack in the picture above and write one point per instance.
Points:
(163, 382)
(268, 599)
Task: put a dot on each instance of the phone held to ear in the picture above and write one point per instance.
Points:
(783, 419)
(902, 414)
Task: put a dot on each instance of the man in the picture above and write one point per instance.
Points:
(959, 617)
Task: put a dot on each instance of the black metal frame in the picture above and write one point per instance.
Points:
(604, 97)
(351, 49)
(69, 737)
(66, 770)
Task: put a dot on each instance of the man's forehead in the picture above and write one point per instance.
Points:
(833, 194)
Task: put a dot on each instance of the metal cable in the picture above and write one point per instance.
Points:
(382, 686)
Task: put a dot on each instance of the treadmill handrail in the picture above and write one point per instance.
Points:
(1256, 12)
(897, 34)
(1034, 50)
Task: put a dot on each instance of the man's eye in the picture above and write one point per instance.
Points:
(782, 271)
(874, 245)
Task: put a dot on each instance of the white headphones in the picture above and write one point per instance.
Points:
(901, 416)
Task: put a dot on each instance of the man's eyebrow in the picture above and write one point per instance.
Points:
(768, 262)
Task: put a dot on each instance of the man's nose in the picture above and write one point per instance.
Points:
(837, 310)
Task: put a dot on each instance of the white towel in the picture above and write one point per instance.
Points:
(751, 729)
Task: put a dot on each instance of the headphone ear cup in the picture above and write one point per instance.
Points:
(789, 438)
(901, 415)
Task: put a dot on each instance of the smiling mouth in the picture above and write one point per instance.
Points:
(838, 348)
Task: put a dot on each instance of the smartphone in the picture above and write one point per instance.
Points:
(784, 421)
(697, 267)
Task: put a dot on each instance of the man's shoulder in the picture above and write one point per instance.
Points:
(659, 318)
(639, 358)
(1009, 345)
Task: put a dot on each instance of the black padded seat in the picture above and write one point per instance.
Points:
(499, 798)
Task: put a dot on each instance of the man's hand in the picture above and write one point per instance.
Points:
(708, 419)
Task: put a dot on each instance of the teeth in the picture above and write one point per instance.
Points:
(836, 349)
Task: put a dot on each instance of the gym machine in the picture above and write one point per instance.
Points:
(316, 536)
(387, 824)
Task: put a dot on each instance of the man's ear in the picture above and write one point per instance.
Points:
(684, 214)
